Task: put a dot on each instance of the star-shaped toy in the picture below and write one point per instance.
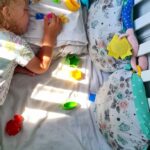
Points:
(72, 60)
(119, 48)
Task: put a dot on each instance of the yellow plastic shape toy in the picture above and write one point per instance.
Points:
(139, 70)
(72, 5)
(119, 48)
(63, 18)
(76, 74)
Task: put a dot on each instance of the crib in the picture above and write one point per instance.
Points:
(142, 26)
(46, 125)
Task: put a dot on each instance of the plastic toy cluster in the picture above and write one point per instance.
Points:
(14, 125)
(40, 16)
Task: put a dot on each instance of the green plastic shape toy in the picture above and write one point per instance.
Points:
(70, 105)
(72, 60)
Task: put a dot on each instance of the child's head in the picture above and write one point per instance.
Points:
(14, 15)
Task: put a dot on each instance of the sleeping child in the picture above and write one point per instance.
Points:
(107, 18)
(14, 17)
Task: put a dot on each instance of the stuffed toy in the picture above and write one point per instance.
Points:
(122, 111)
(107, 18)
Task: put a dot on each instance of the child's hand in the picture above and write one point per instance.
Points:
(51, 30)
(135, 46)
(23, 70)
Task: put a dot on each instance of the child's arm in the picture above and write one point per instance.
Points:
(23, 70)
(41, 63)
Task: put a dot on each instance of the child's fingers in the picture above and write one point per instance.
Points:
(59, 20)
(54, 18)
(123, 35)
(46, 21)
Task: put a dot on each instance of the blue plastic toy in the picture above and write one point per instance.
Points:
(92, 97)
(39, 16)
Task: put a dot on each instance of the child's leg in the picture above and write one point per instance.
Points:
(143, 62)
(23, 70)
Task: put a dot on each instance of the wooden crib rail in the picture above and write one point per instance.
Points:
(144, 48)
(137, 1)
(142, 21)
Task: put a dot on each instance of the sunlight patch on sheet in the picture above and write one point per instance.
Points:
(55, 9)
(35, 115)
(64, 74)
(51, 94)
(62, 88)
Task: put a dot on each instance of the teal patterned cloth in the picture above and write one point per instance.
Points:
(141, 104)
(122, 112)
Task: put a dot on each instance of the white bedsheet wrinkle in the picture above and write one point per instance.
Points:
(46, 125)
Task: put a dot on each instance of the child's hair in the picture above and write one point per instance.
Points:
(3, 21)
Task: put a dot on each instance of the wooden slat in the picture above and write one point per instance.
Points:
(145, 75)
(137, 1)
(142, 21)
(149, 102)
(144, 48)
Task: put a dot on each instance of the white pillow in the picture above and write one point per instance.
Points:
(73, 32)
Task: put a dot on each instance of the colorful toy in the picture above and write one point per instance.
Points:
(92, 97)
(76, 74)
(49, 15)
(72, 5)
(63, 18)
(40, 16)
(139, 70)
(57, 1)
(14, 126)
(72, 60)
(85, 3)
(70, 105)
(119, 48)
